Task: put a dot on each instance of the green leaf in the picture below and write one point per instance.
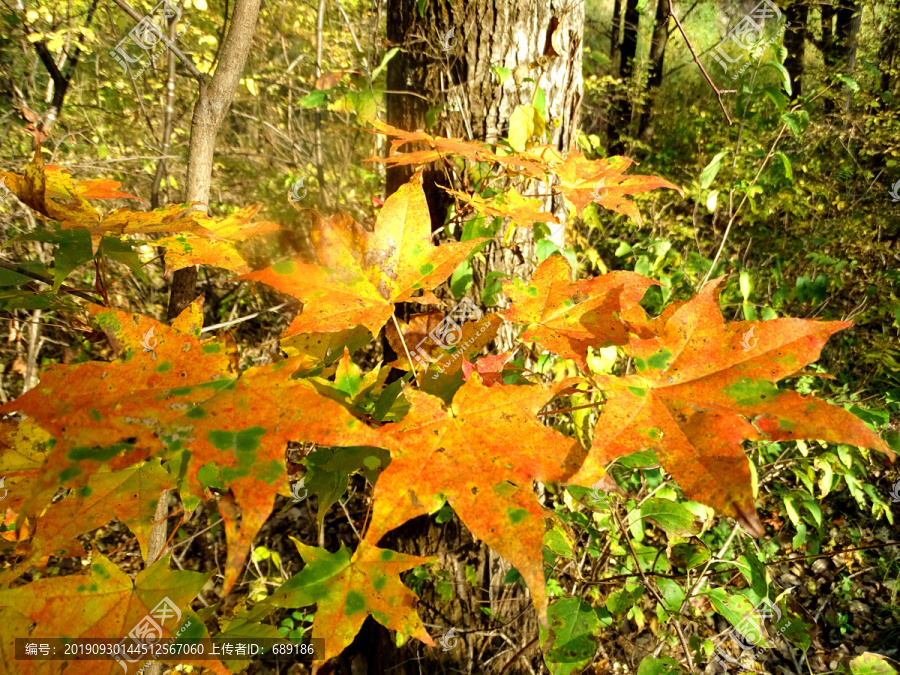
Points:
(570, 639)
(525, 123)
(10, 278)
(850, 82)
(775, 95)
(461, 280)
(708, 175)
(670, 516)
(871, 664)
(420, 5)
(492, 288)
(313, 99)
(786, 163)
(123, 252)
(619, 602)
(559, 542)
(501, 73)
(785, 76)
(391, 53)
(672, 593)
(663, 666)
(796, 122)
(735, 608)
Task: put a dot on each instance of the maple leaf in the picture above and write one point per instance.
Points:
(440, 146)
(480, 453)
(523, 211)
(424, 336)
(566, 317)
(696, 392)
(115, 414)
(237, 440)
(603, 181)
(52, 192)
(361, 274)
(489, 368)
(107, 604)
(347, 589)
(129, 495)
(216, 243)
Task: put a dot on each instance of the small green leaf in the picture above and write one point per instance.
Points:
(785, 76)
(708, 175)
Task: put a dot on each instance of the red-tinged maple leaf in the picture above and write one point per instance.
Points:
(524, 211)
(480, 454)
(425, 334)
(699, 385)
(216, 242)
(489, 368)
(566, 317)
(237, 440)
(361, 274)
(117, 410)
(348, 589)
(603, 181)
(104, 603)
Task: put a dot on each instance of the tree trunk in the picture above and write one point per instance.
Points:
(621, 117)
(657, 59)
(796, 14)
(615, 32)
(213, 101)
(850, 20)
(537, 39)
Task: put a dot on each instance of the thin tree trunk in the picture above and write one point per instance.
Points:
(213, 101)
(657, 59)
(621, 117)
(796, 14)
(615, 32)
(851, 20)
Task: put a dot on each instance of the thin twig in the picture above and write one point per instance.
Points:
(188, 63)
(717, 91)
(225, 324)
(405, 349)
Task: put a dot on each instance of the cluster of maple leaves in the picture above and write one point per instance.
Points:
(180, 414)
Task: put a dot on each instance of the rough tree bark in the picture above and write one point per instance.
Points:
(538, 39)
(213, 101)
